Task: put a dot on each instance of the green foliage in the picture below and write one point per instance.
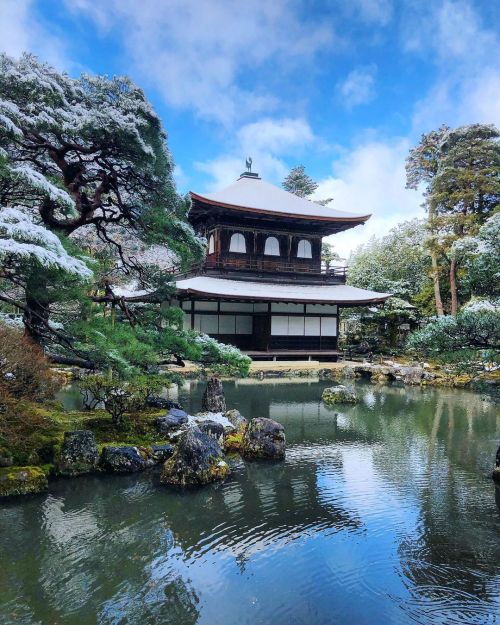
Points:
(130, 350)
(480, 258)
(328, 255)
(379, 328)
(461, 172)
(299, 183)
(118, 396)
(473, 335)
(396, 263)
(86, 164)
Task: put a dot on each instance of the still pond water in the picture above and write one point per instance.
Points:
(381, 514)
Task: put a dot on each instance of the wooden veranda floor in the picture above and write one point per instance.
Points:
(292, 354)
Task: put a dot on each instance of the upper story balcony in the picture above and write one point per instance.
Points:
(271, 268)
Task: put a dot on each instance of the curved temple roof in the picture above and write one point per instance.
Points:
(256, 195)
(238, 289)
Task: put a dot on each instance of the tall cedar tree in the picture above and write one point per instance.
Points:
(461, 168)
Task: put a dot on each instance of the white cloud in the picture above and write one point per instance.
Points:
(267, 141)
(371, 179)
(195, 52)
(375, 11)
(466, 52)
(358, 87)
(275, 135)
(21, 31)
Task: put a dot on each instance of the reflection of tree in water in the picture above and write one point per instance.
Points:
(267, 506)
(435, 460)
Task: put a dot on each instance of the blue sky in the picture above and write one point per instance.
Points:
(343, 87)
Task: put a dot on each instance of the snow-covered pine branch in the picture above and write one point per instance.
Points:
(22, 241)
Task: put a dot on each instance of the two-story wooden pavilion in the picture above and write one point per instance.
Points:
(261, 286)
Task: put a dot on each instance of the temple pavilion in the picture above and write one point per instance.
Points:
(262, 286)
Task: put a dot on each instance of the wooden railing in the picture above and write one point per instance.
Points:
(260, 264)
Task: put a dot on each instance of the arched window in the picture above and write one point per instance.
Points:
(304, 249)
(237, 243)
(211, 244)
(272, 247)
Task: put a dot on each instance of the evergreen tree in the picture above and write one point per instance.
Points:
(396, 263)
(421, 167)
(84, 162)
(299, 183)
(461, 168)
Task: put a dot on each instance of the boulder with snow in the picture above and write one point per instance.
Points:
(173, 420)
(236, 418)
(127, 459)
(197, 460)
(214, 429)
(155, 401)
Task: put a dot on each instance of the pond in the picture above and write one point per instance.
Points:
(383, 513)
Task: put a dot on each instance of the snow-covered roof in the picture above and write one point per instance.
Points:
(257, 195)
(275, 292)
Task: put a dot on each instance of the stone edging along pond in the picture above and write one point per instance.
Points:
(192, 452)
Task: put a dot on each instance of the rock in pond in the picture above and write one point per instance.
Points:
(236, 418)
(79, 454)
(124, 459)
(22, 481)
(173, 420)
(197, 460)
(161, 453)
(213, 398)
(410, 375)
(338, 395)
(264, 438)
(155, 401)
(214, 429)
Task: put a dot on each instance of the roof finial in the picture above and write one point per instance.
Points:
(249, 164)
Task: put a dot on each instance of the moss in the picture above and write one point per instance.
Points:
(22, 481)
(338, 395)
(38, 439)
(233, 442)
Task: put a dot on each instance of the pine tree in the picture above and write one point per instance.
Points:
(84, 164)
(461, 168)
(299, 183)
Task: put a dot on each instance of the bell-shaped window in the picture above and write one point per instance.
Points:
(304, 249)
(237, 243)
(211, 244)
(272, 247)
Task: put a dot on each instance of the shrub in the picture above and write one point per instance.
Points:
(25, 373)
(118, 396)
(472, 336)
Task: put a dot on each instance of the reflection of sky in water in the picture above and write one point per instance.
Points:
(382, 513)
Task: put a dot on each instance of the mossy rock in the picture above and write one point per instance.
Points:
(264, 439)
(233, 442)
(22, 481)
(338, 395)
(78, 454)
(196, 461)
